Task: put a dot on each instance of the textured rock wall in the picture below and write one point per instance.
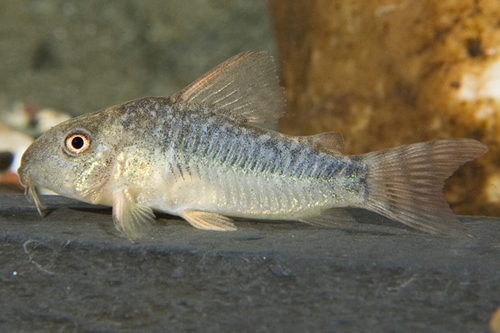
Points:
(386, 73)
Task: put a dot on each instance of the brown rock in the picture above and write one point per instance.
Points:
(495, 321)
(391, 73)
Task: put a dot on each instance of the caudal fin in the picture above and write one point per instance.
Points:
(406, 183)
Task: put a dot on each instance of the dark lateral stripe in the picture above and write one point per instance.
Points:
(219, 141)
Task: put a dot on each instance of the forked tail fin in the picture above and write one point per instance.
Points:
(406, 183)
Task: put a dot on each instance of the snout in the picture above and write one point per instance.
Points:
(22, 171)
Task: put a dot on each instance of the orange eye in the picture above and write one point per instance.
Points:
(77, 143)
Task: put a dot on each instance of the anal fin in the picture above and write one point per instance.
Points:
(332, 218)
(130, 218)
(208, 220)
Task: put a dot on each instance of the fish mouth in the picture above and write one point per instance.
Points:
(31, 194)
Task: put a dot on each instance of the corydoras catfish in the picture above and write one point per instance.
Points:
(199, 155)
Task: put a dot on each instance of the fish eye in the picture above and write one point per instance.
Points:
(77, 143)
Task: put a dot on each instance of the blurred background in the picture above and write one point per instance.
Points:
(83, 56)
(383, 73)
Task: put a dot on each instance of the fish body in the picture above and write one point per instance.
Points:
(211, 162)
(197, 154)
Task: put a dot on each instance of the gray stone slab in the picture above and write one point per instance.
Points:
(72, 272)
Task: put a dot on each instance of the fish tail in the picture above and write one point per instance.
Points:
(406, 183)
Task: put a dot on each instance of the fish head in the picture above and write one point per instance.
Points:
(73, 159)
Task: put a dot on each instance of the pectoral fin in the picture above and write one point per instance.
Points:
(208, 220)
(130, 218)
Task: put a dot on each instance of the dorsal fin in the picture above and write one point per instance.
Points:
(244, 85)
(332, 141)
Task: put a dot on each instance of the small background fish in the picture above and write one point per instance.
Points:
(198, 154)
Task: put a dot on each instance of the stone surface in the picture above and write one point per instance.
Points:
(81, 56)
(387, 73)
(71, 271)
